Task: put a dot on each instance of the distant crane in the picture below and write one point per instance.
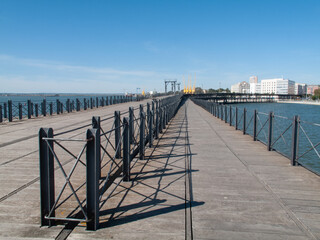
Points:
(173, 85)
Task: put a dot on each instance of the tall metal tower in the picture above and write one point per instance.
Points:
(173, 85)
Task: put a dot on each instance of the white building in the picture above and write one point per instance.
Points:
(255, 88)
(300, 89)
(242, 87)
(253, 79)
(277, 86)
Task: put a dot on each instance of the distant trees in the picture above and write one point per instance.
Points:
(219, 90)
(316, 94)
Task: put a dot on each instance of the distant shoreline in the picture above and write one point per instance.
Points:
(301, 102)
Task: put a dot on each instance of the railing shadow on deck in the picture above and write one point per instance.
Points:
(151, 204)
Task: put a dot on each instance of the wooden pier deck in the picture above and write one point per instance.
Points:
(203, 180)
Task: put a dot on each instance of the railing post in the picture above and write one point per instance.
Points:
(20, 111)
(270, 131)
(78, 105)
(230, 115)
(84, 104)
(97, 102)
(160, 119)
(295, 140)
(1, 120)
(58, 106)
(255, 118)
(237, 115)
(51, 108)
(96, 122)
(46, 164)
(131, 125)
(29, 108)
(68, 105)
(93, 175)
(244, 120)
(157, 122)
(91, 103)
(221, 106)
(117, 134)
(36, 109)
(10, 110)
(225, 114)
(142, 134)
(126, 151)
(167, 114)
(164, 113)
(5, 115)
(61, 107)
(44, 107)
(151, 129)
(148, 113)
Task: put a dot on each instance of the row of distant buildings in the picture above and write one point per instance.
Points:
(273, 86)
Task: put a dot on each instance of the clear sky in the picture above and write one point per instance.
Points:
(114, 46)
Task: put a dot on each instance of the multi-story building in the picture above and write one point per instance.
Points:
(241, 87)
(255, 88)
(277, 86)
(312, 88)
(300, 89)
(253, 79)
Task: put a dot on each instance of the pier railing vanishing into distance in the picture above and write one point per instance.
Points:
(17, 110)
(293, 138)
(101, 153)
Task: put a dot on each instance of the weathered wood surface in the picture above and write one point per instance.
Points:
(239, 189)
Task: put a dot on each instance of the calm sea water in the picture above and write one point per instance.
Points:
(309, 128)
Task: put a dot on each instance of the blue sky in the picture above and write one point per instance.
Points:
(114, 46)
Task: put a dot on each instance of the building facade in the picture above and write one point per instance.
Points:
(312, 88)
(277, 86)
(253, 79)
(255, 88)
(300, 89)
(242, 87)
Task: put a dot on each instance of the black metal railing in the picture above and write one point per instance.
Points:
(295, 139)
(10, 111)
(93, 157)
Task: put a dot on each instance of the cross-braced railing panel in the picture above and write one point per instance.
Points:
(79, 176)
(293, 138)
(282, 135)
(309, 145)
(262, 127)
